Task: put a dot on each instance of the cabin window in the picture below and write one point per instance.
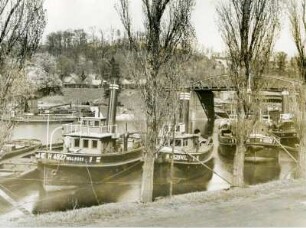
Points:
(96, 123)
(85, 143)
(94, 143)
(185, 143)
(76, 142)
(178, 143)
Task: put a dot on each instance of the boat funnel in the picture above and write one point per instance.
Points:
(112, 102)
(285, 102)
(184, 109)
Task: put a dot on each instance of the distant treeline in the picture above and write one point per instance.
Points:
(86, 55)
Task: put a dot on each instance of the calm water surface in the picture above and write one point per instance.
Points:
(29, 193)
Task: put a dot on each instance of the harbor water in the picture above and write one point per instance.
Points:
(29, 193)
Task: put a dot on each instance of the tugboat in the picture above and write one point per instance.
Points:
(182, 158)
(188, 150)
(261, 147)
(192, 160)
(93, 152)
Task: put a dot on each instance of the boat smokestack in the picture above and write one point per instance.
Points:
(112, 102)
(184, 109)
(285, 101)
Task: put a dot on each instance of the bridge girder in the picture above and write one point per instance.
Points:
(224, 83)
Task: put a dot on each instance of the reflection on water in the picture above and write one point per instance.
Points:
(37, 131)
(29, 192)
(185, 179)
(89, 195)
(261, 173)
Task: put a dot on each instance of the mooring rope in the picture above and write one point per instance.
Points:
(281, 145)
(110, 177)
(202, 163)
(92, 187)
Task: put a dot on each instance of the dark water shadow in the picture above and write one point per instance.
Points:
(87, 195)
(185, 180)
(254, 173)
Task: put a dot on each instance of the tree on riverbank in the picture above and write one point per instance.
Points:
(297, 16)
(248, 28)
(167, 36)
(21, 28)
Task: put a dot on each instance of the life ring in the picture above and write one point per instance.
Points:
(54, 172)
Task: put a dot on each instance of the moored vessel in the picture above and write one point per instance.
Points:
(181, 160)
(285, 129)
(94, 151)
(260, 146)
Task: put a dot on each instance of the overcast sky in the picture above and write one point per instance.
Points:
(101, 14)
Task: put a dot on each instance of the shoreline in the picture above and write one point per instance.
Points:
(171, 211)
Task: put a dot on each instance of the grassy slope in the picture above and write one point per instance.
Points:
(236, 207)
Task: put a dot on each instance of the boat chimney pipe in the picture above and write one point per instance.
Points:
(285, 101)
(184, 109)
(112, 102)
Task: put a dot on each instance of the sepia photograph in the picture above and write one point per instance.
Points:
(152, 113)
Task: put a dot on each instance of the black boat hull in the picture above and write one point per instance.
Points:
(255, 152)
(59, 171)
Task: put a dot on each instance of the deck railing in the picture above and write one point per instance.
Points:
(87, 129)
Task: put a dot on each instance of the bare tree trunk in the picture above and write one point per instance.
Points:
(302, 126)
(168, 28)
(238, 165)
(297, 16)
(248, 29)
(147, 177)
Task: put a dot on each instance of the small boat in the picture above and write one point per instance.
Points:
(19, 147)
(285, 129)
(190, 154)
(13, 158)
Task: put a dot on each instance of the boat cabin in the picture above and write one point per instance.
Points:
(91, 136)
(188, 140)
